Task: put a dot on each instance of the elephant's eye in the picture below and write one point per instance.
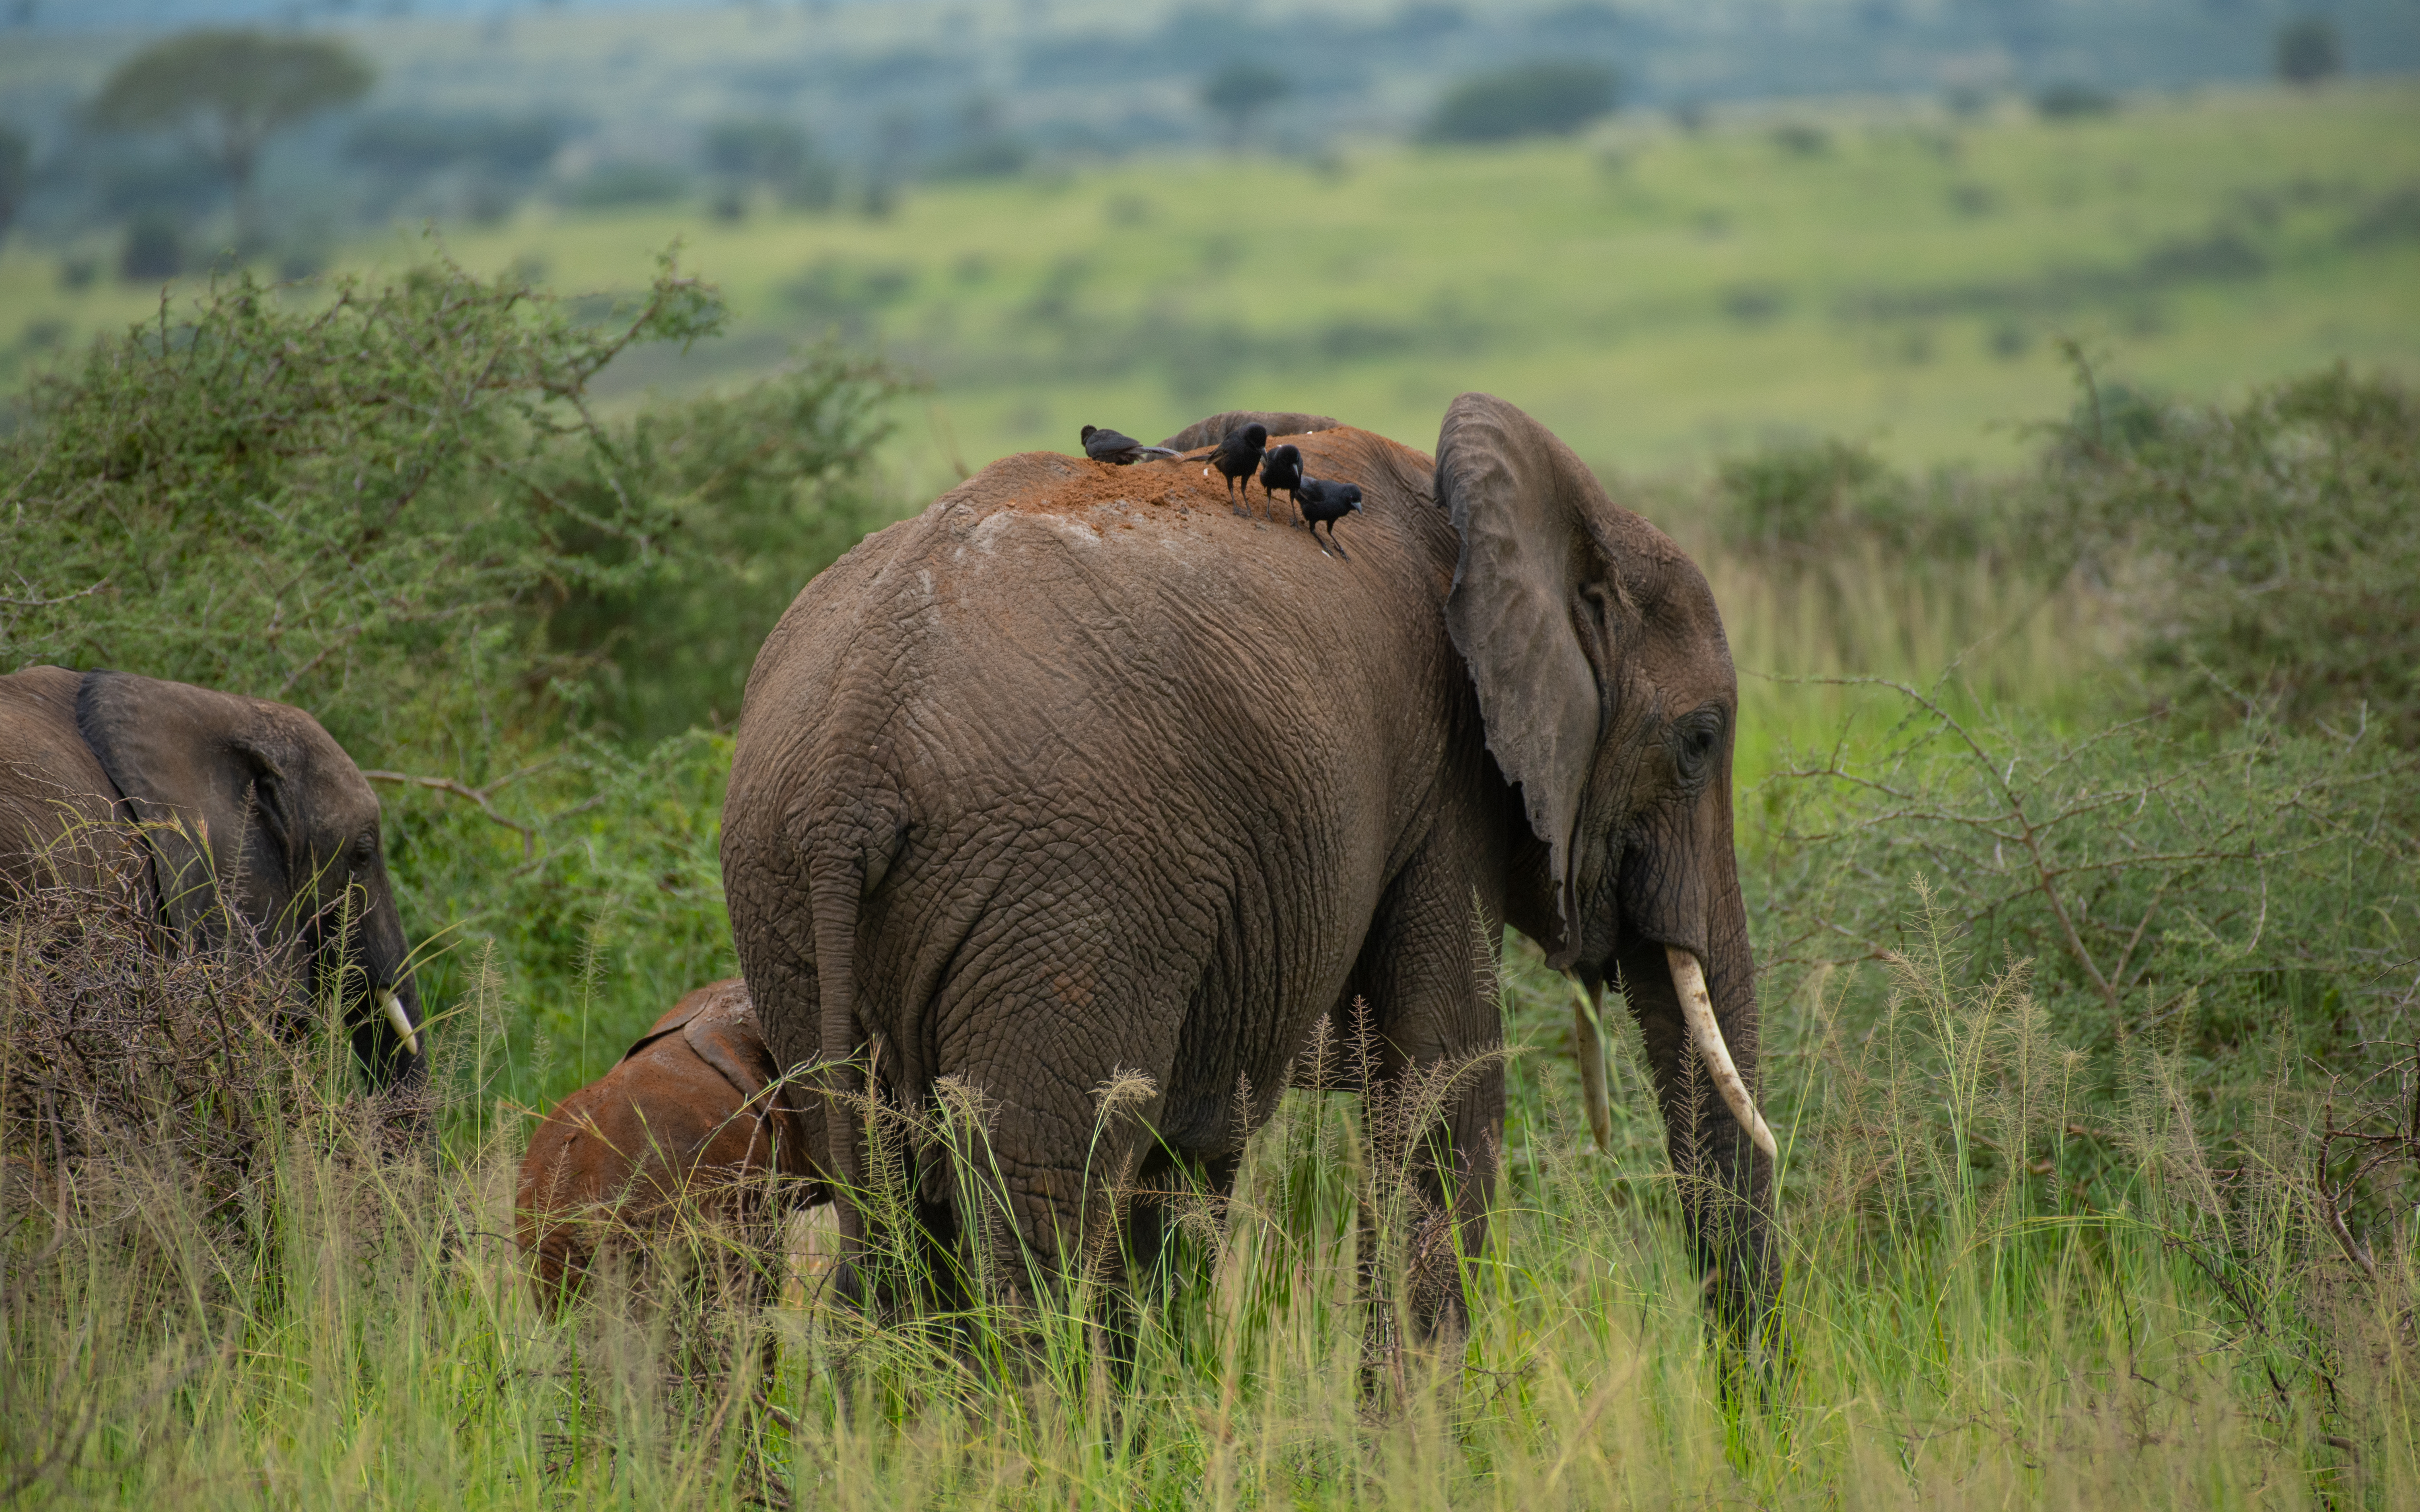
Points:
(1697, 738)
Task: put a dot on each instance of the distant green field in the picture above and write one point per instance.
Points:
(1658, 297)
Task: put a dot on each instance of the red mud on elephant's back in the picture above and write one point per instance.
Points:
(1051, 482)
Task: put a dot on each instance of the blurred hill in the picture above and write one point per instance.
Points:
(1812, 215)
(896, 81)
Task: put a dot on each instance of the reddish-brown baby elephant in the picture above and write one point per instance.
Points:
(692, 1125)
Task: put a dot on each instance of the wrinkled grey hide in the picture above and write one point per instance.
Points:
(1079, 773)
(212, 805)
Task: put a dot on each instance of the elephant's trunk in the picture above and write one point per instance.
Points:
(1706, 1035)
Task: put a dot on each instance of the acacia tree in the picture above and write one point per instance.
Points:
(234, 89)
(2309, 50)
(16, 155)
(1240, 91)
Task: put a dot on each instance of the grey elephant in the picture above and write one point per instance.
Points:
(1076, 775)
(212, 805)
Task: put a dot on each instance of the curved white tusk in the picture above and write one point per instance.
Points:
(1699, 1010)
(1590, 1041)
(392, 1006)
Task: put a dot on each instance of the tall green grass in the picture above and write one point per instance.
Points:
(2040, 1244)
(1960, 1321)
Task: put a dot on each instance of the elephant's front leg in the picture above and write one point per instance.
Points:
(1435, 1125)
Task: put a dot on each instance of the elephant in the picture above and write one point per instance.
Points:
(215, 807)
(1075, 776)
(690, 1116)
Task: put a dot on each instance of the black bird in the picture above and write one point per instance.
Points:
(1239, 456)
(1323, 499)
(1118, 448)
(1282, 469)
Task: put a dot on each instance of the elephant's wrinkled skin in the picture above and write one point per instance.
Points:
(688, 1123)
(1079, 773)
(211, 805)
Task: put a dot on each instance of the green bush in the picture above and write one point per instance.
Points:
(2225, 894)
(1543, 99)
(393, 504)
(1801, 493)
(2069, 102)
(2309, 50)
(2282, 543)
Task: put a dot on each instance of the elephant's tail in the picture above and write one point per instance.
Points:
(836, 887)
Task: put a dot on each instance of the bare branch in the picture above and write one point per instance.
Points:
(482, 796)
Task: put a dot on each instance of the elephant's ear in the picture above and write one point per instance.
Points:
(1210, 432)
(210, 791)
(1523, 504)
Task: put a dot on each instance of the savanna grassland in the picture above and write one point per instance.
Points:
(1892, 272)
(2090, 931)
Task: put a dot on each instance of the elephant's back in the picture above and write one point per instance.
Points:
(52, 786)
(1043, 553)
(1055, 622)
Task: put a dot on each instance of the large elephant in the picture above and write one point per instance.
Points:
(215, 807)
(1079, 774)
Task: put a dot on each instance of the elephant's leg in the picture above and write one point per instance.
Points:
(1159, 1267)
(1051, 1131)
(1433, 1091)
(1166, 1189)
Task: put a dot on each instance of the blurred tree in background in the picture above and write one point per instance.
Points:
(1543, 99)
(2309, 50)
(236, 88)
(1240, 92)
(153, 250)
(16, 162)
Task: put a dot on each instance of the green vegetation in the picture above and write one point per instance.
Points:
(2309, 50)
(1535, 100)
(395, 508)
(1242, 91)
(2075, 802)
(1662, 299)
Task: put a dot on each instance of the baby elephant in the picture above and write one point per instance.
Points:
(691, 1125)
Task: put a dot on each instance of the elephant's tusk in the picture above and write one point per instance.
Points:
(1591, 1040)
(392, 1006)
(1699, 1010)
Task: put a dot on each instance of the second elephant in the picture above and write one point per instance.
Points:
(220, 811)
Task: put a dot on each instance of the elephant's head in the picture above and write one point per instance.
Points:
(1608, 696)
(252, 811)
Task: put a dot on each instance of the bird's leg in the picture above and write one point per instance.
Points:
(1334, 542)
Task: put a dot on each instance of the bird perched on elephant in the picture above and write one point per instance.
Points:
(1281, 468)
(220, 810)
(691, 1122)
(1032, 797)
(1117, 448)
(1238, 458)
(1324, 501)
